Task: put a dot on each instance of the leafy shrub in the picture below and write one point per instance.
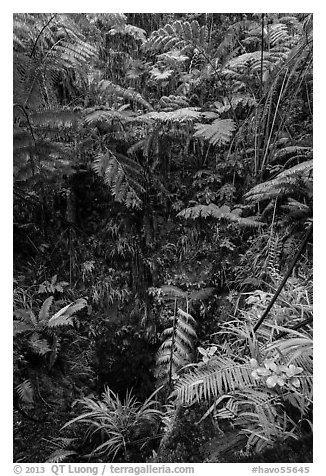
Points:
(114, 426)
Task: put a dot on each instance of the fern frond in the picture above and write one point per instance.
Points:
(179, 115)
(158, 75)
(282, 184)
(251, 62)
(135, 32)
(64, 316)
(291, 151)
(102, 115)
(173, 102)
(178, 35)
(54, 118)
(44, 311)
(172, 292)
(129, 94)
(60, 455)
(25, 392)
(274, 255)
(219, 132)
(221, 375)
(213, 210)
(176, 348)
(122, 174)
(242, 100)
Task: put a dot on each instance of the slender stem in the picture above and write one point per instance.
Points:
(39, 35)
(286, 276)
(296, 327)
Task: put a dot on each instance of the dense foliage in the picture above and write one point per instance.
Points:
(162, 196)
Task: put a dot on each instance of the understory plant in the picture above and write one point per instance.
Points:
(256, 383)
(113, 426)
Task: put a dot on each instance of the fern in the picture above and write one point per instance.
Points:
(42, 338)
(176, 350)
(102, 115)
(283, 184)
(25, 392)
(66, 315)
(122, 175)
(217, 133)
(178, 35)
(158, 75)
(181, 115)
(136, 33)
(214, 211)
(110, 89)
(234, 102)
(274, 254)
(173, 292)
(219, 376)
(62, 451)
(251, 62)
(173, 102)
(278, 33)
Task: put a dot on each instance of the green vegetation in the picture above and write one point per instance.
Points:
(162, 203)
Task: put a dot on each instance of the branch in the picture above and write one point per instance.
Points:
(39, 35)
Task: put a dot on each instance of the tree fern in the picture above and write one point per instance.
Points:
(283, 184)
(110, 89)
(178, 35)
(181, 115)
(122, 175)
(214, 211)
(176, 349)
(100, 115)
(217, 133)
(135, 32)
(173, 102)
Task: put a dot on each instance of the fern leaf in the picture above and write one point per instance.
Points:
(60, 455)
(213, 210)
(219, 132)
(221, 376)
(64, 316)
(38, 345)
(181, 35)
(176, 348)
(44, 311)
(282, 184)
(106, 115)
(135, 32)
(158, 75)
(131, 95)
(179, 115)
(170, 291)
(25, 392)
(122, 174)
